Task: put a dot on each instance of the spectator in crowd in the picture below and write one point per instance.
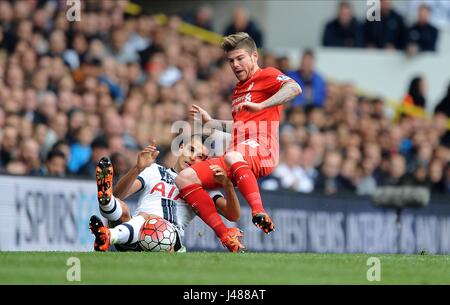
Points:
(140, 36)
(447, 179)
(29, 154)
(283, 63)
(312, 83)
(55, 165)
(58, 48)
(270, 183)
(307, 162)
(64, 147)
(121, 164)
(437, 177)
(99, 149)
(16, 168)
(9, 145)
(291, 174)
(387, 33)
(268, 60)
(422, 36)
(367, 184)
(350, 173)
(2, 39)
(110, 78)
(202, 17)
(241, 22)
(416, 93)
(344, 30)
(439, 9)
(420, 175)
(397, 174)
(120, 49)
(330, 181)
(423, 156)
(80, 151)
(444, 106)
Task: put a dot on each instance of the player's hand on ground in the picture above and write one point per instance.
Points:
(249, 107)
(196, 112)
(147, 156)
(220, 175)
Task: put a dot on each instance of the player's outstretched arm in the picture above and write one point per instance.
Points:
(287, 92)
(198, 113)
(229, 206)
(129, 184)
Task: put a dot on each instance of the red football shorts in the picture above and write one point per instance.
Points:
(206, 175)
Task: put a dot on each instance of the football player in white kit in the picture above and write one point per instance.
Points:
(159, 197)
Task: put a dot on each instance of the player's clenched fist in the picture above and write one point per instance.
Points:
(249, 107)
(220, 175)
(147, 156)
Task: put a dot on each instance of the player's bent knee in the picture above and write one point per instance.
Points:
(233, 157)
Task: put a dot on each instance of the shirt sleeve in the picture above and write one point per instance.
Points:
(145, 177)
(274, 80)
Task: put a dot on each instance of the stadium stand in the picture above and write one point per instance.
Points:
(121, 77)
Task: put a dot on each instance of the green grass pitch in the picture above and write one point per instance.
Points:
(220, 268)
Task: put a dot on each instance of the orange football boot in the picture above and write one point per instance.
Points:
(104, 177)
(232, 240)
(101, 233)
(263, 221)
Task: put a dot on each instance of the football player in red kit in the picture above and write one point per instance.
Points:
(253, 152)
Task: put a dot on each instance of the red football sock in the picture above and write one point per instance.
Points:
(247, 185)
(204, 207)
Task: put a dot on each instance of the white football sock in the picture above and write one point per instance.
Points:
(127, 232)
(111, 211)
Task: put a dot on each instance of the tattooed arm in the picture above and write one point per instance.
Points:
(287, 92)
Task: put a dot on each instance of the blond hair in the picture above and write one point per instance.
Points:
(239, 40)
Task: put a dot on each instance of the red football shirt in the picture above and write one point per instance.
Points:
(258, 132)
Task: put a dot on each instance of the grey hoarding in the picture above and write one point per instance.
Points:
(317, 223)
(52, 214)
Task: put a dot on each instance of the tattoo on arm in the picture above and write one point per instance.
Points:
(287, 92)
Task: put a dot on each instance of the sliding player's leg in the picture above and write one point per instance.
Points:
(113, 209)
(127, 233)
(245, 179)
(192, 183)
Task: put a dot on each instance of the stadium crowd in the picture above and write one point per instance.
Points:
(390, 32)
(71, 92)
